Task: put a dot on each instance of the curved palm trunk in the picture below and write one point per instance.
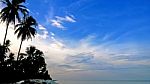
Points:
(5, 34)
(19, 50)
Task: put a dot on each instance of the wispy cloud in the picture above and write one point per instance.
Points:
(57, 24)
(62, 56)
(41, 27)
(58, 21)
(66, 18)
(99, 57)
(44, 33)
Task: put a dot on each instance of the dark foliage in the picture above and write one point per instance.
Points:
(25, 30)
(11, 12)
(31, 65)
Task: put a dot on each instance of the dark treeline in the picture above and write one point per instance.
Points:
(30, 64)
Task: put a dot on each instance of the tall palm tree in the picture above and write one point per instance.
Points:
(11, 12)
(25, 30)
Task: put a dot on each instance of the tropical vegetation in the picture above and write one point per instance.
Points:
(30, 64)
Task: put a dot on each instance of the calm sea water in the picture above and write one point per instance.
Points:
(105, 82)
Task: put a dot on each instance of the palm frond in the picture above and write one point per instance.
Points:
(25, 29)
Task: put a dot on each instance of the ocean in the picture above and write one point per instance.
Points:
(107, 82)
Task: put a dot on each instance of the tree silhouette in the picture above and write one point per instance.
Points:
(25, 30)
(34, 65)
(11, 60)
(29, 65)
(3, 50)
(11, 12)
(6, 61)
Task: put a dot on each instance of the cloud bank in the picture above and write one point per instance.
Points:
(61, 56)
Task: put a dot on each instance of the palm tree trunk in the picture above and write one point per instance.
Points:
(5, 35)
(19, 50)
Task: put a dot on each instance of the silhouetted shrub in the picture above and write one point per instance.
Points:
(31, 65)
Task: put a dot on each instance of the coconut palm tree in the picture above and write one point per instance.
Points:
(11, 12)
(25, 30)
(34, 64)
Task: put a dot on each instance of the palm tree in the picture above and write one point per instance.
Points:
(25, 30)
(34, 65)
(11, 12)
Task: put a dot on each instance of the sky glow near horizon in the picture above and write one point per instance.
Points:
(91, 39)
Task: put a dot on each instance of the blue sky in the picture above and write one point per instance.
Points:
(117, 18)
(93, 39)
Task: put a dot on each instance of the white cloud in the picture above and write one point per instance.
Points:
(41, 27)
(44, 33)
(87, 56)
(57, 52)
(61, 57)
(57, 24)
(66, 18)
(52, 33)
(69, 19)
(58, 21)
